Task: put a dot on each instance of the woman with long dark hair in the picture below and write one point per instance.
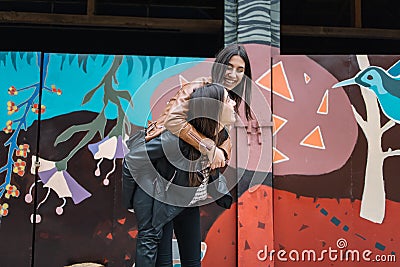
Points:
(231, 69)
(166, 179)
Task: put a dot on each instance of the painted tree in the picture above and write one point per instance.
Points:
(109, 93)
(19, 111)
(378, 86)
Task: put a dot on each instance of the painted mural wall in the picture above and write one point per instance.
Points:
(62, 145)
(314, 174)
(335, 168)
(66, 119)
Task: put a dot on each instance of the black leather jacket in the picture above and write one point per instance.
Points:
(160, 167)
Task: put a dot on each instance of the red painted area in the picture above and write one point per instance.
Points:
(298, 224)
(133, 233)
(122, 221)
(302, 223)
(221, 241)
(255, 224)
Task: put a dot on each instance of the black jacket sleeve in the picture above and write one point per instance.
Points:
(138, 158)
(218, 189)
(138, 164)
(128, 187)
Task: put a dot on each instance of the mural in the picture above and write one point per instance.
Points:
(20, 95)
(384, 85)
(80, 128)
(329, 181)
(314, 175)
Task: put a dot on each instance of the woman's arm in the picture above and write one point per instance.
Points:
(175, 121)
(176, 115)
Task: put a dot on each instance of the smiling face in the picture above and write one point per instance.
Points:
(234, 72)
(228, 115)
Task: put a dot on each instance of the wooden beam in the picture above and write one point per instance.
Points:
(90, 7)
(339, 32)
(356, 10)
(140, 23)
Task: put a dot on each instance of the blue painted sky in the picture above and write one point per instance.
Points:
(75, 83)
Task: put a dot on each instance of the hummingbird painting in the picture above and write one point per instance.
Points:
(384, 83)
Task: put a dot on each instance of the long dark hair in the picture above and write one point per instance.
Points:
(244, 87)
(205, 107)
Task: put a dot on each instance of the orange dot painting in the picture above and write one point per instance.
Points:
(278, 156)
(133, 233)
(323, 107)
(280, 85)
(307, 78)
(314, 139)
(278, 122)
(109, 236)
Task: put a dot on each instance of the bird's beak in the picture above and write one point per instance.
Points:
(345, 83)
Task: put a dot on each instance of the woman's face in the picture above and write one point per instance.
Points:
(228, 115)
(234, 72)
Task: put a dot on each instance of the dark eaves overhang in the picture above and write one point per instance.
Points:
(122, 22)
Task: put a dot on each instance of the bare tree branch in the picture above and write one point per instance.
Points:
(359, 119)
(387, 126)
(391, 153)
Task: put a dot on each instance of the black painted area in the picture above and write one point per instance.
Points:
(58, 39)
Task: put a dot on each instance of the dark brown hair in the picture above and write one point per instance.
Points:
(244, 87)
(205, 107)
